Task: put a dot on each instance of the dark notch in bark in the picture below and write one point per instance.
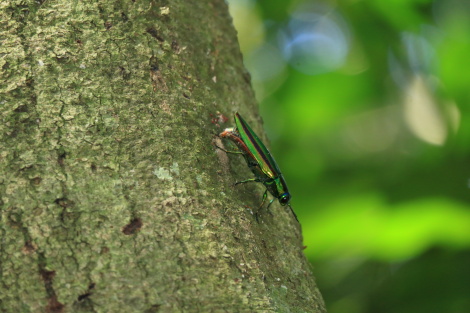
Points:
(21, 109)
(153, 309)
(153, 63)
(108, 25)
(36, 181)
(153, 32)
(158, 82)
(125, 73)
(53, 305)
(66, 216)
(133, 227)
(28, 247)
(84, 302)
(61, 157)
(64, 202)
(175, 46)
(87, 293)
(93, 167)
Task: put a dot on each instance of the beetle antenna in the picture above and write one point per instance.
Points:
(292, 210)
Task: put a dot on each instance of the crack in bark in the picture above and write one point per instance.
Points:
(53, 305)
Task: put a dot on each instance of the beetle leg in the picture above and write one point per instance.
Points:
(257, 217)
(292, 210)
(265, 195)
(227, 151)
(247, 181)
(270, 202)
(257, 214)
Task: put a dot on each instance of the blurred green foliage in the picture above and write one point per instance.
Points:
(366, 105)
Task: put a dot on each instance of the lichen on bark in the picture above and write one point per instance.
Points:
(112, 197)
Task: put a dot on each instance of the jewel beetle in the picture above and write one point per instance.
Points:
(259, 160)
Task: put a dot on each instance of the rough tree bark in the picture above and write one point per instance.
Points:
(113, 198)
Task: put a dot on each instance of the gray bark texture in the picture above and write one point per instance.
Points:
(113, 197)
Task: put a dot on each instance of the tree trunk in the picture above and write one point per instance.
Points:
(113, 198)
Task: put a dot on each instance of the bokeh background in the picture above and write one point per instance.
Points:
(366, 103)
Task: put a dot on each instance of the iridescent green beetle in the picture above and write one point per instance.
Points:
(259, 160)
